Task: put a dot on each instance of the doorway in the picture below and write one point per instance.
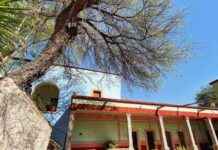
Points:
(150, 140)
(169, 140)
(209, 144)
(135, 140)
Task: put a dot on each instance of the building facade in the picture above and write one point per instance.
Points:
(53, 92)
(87, 112)
(140, 125)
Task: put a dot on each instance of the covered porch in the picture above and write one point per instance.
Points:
(97, 122)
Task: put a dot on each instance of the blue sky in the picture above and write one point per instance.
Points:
(189, 76)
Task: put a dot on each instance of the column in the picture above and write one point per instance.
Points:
(187, 120)
(69, 131)
(212, 133)
(129, 124)
(163, 133)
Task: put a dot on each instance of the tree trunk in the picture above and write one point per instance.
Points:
(33, 70)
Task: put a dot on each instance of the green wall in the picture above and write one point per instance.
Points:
(99, 131)
(102, 131)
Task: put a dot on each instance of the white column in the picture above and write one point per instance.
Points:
(191, 133)
(212, 133)
(129, 123)
(69, 132)
(163, 133)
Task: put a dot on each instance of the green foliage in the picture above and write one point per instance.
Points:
(22, 26)
(208, 96)
(11, 23)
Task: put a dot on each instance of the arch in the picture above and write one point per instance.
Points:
(45, 95)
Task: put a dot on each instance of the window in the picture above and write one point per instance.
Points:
(46, 96)
(97, 93)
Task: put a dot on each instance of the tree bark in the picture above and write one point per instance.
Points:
(33, 70)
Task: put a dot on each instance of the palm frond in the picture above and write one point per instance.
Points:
(11, 21)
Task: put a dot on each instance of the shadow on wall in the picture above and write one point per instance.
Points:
(59, 130)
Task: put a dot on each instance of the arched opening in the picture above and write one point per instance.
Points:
(46, 96)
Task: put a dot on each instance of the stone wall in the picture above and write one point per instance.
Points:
(22, 125)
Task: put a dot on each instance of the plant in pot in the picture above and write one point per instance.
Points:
(45, 103)
(52, 106)
(109, 145)
(181, 148)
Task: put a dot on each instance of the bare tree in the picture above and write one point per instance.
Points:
(133, 38)
(130, 37)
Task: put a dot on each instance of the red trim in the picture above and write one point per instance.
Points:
(91, 98)
(85, 148)
(97, 146)
(145, 112)
(121, 101)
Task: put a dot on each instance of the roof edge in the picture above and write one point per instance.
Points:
(140, 102)
(213, 82)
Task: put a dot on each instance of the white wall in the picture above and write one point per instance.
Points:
(81, 82)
